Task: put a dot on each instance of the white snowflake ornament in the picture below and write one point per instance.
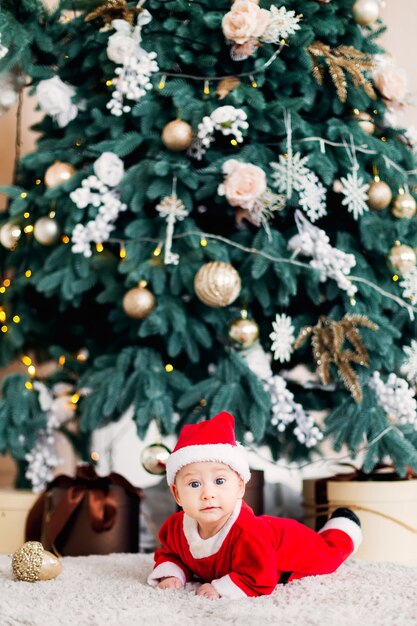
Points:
(312, 198)
(282, 338)
(355, 192)
(281, 24)
(291, 174)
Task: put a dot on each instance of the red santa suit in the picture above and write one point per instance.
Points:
(250, 555)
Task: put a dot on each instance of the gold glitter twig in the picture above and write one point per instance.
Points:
(113, 10)
(328, 338)
(339, 61)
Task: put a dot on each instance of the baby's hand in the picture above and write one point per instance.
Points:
(208, 591)
(170, 582)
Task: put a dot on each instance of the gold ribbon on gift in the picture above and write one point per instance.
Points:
(321, 510)
(325, 510)
(86, 483)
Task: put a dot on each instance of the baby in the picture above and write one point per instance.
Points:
(217, 538)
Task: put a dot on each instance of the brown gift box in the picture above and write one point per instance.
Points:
(87, 514)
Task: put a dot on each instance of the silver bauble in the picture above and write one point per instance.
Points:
(154, 458)
(46, 231)
(365, 12)
(9, 235)
(402, 258)
(379, 195)
(404, 205)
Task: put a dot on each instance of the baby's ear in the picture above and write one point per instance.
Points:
(242, 488)
(174, 491)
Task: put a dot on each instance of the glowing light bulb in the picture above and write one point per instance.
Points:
(31, 370)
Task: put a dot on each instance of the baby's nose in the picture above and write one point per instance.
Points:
(207, 492)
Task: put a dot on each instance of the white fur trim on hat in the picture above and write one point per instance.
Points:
(234, 456)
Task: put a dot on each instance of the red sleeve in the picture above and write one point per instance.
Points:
(170, 550)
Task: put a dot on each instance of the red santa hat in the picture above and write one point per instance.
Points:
(212, 440)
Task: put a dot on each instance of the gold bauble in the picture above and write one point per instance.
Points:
(243, 332)
(46, 231)
(9, 235)
(58, 173)
(402, 258)
(404, 205)
(365, 12)
(177, 135)
(32, 563)
(154, 458)
(138, 303)
(217, 284)
(379, 195)
(365, 121)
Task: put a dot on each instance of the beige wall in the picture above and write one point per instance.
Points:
(400, 17)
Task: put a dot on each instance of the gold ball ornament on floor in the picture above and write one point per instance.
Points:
(46, 231)
(379, 195)
(177, 135)
(154, 458)
(365, 12)
(365, 121)
(58, 173)
(138, 302)
(404, 205)
(9, 235)
(402, 258)
(243, 333)
(217, 284)
(32, 562)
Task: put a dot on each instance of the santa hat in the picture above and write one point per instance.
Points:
(212, 440)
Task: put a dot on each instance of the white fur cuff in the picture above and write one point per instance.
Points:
(347, 526)
(163, 570)
(227, 588)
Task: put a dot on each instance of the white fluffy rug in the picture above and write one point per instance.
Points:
(111, 591)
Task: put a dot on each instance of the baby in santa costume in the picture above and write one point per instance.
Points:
(218, 539)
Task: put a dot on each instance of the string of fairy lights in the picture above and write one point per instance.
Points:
(206, 80)
(204, 240)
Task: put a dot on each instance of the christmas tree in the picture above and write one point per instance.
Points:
(220, 199)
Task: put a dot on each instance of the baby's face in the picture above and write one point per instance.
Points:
(208, 492)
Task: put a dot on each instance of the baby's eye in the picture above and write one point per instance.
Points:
(194, 484)
(220, 481)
